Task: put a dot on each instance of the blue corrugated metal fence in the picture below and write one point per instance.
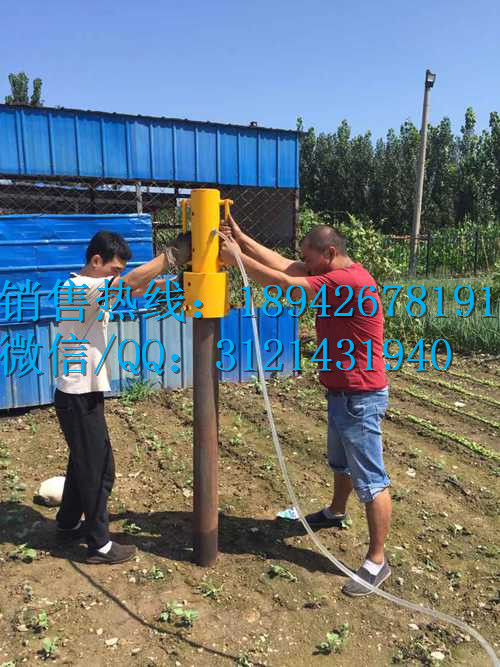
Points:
(176, 338)
(45, 248)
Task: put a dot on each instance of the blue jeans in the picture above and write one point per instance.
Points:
(355, 439)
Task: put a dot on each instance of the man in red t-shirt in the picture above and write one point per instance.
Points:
(350, 330)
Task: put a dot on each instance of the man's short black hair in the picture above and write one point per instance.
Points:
(323, 236)
(108, 245)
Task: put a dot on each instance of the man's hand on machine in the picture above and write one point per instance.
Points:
(177, 252)
(230, 228)
(228, 251)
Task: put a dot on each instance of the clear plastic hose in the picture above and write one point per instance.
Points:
(438, 615)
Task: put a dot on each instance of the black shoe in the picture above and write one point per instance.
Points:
(320, 520)
(68, 535)
(119, 553)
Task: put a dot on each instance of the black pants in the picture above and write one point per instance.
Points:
(91, 469)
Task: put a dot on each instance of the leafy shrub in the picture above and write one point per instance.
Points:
(365, 245)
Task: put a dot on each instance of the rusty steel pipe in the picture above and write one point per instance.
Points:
(205, 441)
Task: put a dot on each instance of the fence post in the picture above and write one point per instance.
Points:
(427, 255)
(138, 197)
(476, 245)
(92, 199)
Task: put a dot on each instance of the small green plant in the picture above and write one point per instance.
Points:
(490, 551)
(335, 641)
(4, 456)
(237, 438)
(8, 664)
(282, 572)
(27, 592)
(208, 590)
(257, 387)
(15, 486)
(457, 529)
(454, 576)
(31, 423)
(49, 647)
(244, 661)
(131, 528)
(430, 564)
(153, 442)
(136, 390)
(24, 553)
(40, 622)
(416, 650)
(346, 523)
(395, 558)
(178, 614)
(155, 573)
(268, 464)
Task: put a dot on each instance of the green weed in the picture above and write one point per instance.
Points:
(335, 641)
(136, 390)
(177, 614)
(281, 572)
(49, 647)
(24, 553)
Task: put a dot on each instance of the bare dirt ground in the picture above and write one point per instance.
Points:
(442, 448)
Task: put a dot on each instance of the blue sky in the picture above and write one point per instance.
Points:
(265, 61)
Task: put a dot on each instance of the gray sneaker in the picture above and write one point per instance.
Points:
(354, 589)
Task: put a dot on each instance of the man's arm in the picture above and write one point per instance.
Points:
(266, 276)
(175, 253)
(141, 276)
(261, 254)
(262, 274)
(162, 284)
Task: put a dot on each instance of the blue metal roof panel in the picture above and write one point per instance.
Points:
(66, 143)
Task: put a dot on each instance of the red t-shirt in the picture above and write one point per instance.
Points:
(355, 327)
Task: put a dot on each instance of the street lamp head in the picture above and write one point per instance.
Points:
(430, 78)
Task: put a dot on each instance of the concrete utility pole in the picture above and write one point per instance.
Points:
(430, 78)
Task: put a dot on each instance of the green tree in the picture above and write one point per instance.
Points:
(495, 159)
(392, 202)
(441, 177)
(360, 174)
(308, 164)
(342, 174)
(467, 192)
(408, 155)
(19, 86)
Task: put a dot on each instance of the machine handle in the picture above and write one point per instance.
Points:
(227, 208)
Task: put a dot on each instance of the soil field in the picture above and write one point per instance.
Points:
(442, 452)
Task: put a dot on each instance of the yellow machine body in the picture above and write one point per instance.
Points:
(206, 282)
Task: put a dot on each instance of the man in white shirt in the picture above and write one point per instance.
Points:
(79, 401)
